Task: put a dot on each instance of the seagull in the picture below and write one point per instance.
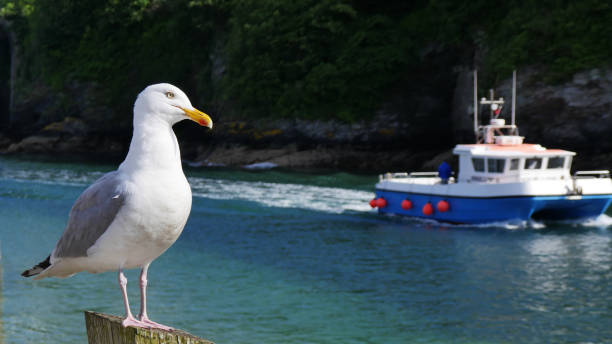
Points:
(130, 216)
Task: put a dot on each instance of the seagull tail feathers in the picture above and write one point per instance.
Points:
(38, 268)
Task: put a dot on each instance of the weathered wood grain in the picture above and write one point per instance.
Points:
(107, 329)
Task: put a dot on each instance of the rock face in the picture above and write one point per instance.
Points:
(415, 135)
(309, 144)
(345, 158)
(4, 142)
(69, 136)
(575, 115)
(38, 106)
(463, 106)
(383, 129)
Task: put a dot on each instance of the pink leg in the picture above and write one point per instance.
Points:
(129, 319)
(143, 317)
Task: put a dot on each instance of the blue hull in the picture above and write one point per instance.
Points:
(484, 210)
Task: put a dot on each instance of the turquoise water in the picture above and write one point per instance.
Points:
(278, 257)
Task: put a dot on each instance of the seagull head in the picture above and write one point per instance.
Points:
(168, 103)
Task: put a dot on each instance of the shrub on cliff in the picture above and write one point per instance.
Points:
(309, 59)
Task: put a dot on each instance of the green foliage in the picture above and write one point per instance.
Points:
(312, 58)
(120, 46)
(13, 8)
(563, 36)
(309, 58)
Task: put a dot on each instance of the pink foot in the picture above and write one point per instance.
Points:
(130, 321)
(153, 324)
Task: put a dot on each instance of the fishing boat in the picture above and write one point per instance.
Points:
(499, 178)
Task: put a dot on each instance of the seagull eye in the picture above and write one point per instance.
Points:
(169, 95)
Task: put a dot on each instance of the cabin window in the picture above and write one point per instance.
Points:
(495, 165)
(556, 162)
(514, 164)
(478, 164)
(533, 163)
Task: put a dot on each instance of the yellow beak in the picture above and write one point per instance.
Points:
(198, 116)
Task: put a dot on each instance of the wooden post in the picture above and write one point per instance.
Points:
(107, 329)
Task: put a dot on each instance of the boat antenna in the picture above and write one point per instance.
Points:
(476, 104)
(513, 99)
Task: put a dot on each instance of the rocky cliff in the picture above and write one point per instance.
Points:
(415, 134)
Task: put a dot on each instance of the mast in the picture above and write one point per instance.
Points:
(513, 98)
(476, 104)
(491, 108)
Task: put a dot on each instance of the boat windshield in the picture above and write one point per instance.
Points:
(533, 163)
(514, 164)
(478, 164)
(495, 165)
(556, 162)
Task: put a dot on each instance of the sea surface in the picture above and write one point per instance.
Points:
(286, 257)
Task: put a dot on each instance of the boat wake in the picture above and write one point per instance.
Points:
(509, 225)
(63, 177)
(601, 221)
(284, 195)
(310, 197)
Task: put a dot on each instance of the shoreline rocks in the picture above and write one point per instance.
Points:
(572, 116)
(292, 157)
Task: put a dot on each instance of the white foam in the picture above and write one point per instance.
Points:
(509, 225)
(327, 199)
(284, 195)
(601, 221)
(193, 163)
(58, 176)
(261, 166)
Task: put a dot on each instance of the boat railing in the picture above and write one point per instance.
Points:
(592, 174)
(423, 174)
(394, 175)
(406, 175)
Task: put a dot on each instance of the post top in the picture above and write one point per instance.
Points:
(105, 328)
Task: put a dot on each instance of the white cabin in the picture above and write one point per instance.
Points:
(500, 163)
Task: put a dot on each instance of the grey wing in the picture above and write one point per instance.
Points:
(91, 215)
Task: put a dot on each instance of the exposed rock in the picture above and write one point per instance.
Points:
(4, 141)
(463, 107)
(38, 106)
(239, 155)
(383, 129)
(68, 126)
(434, 163)
(339, 157)
(575, 115)
(415, 131)
(57, 144)
(34, 144)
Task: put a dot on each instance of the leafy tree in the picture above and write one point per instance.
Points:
(310, 59)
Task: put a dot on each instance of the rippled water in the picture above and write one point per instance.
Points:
(276, 257)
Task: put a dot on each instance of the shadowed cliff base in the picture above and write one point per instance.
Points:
(573, 116)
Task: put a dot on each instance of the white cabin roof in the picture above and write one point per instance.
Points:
(522, 150)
